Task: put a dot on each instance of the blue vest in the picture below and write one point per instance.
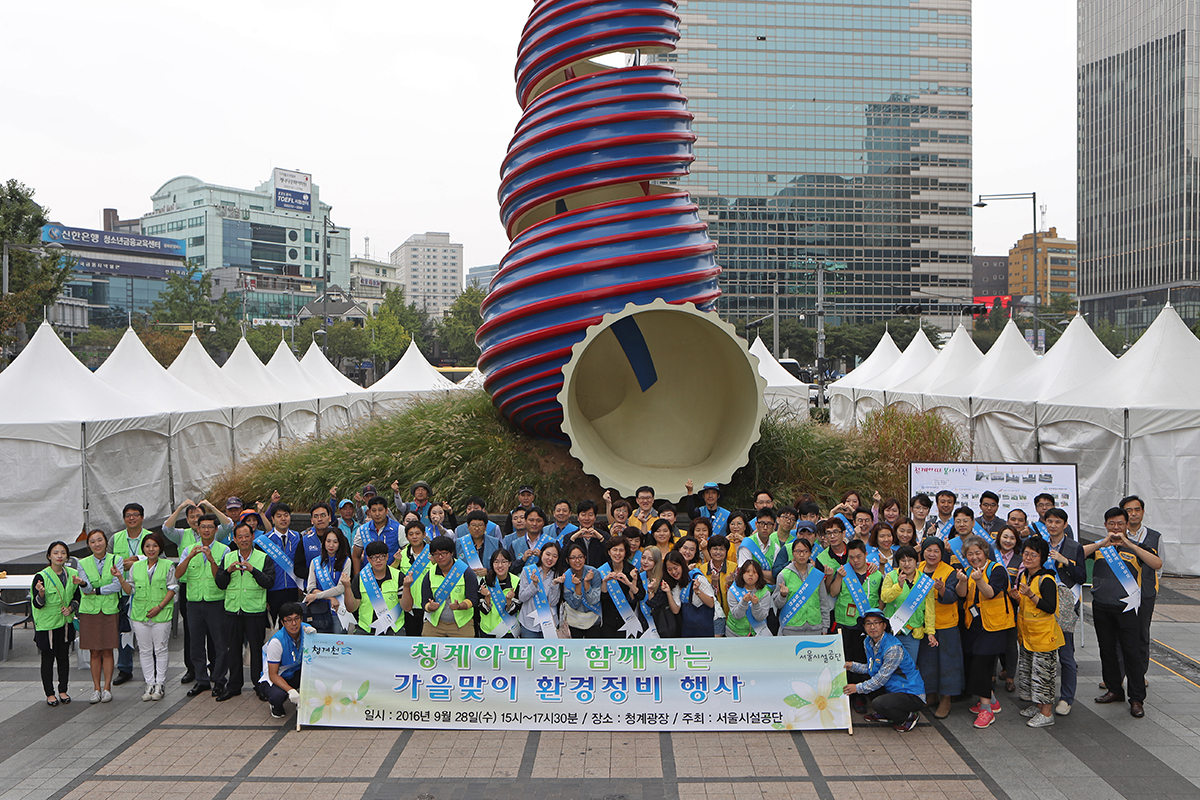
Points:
(293, 654)
(311, 545)
(907, 678)
(719, 519)
(389, 535)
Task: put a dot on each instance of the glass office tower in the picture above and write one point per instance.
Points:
(1138, 93)
(833, 133)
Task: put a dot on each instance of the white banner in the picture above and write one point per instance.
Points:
(1016, 484)
(769, 683)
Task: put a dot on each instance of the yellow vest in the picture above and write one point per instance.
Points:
(946, 614)
(390, 589)
(1038, 631)
(462, 617)
(996, 613)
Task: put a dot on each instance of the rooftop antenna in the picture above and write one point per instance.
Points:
(367, 246)
(1044, 218)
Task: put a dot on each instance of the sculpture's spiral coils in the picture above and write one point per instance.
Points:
(590, 230)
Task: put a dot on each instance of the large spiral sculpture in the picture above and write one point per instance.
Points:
(590, 229)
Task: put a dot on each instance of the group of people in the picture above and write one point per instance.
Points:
(933, 603)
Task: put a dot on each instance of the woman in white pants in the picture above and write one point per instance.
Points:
(152, 585)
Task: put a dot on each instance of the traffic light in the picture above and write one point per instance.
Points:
(976, 310)
(909, 310)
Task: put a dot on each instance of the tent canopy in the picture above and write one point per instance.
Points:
(412, 374)
(194, 367)
(250, 375)
(882, 358)
(317, 365)
(772, 371)
(132, 370)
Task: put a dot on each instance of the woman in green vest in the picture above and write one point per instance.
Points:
(55, 596)
(100, 582)
(807, 620)
(151, 587)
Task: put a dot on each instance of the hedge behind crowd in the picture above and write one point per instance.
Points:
(462, 447)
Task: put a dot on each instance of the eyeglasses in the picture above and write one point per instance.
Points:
(377, 555)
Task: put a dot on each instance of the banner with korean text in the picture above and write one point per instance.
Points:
(761, 683)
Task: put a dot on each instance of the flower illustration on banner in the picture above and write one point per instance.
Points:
(823, 705)
(326, 702)
(353, 702)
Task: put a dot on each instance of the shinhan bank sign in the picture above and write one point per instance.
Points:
(293, 191)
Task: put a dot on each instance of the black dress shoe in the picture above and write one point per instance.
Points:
(198, 689)
(187, 678)
(122, 677)
(1109, 697)
(1136, 710)
(218, 688)
(228, 693)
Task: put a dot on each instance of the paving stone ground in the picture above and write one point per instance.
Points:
(197, 749)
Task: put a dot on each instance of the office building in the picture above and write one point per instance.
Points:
(117, 274)
(990, 275)
(482, 274)
(1055, 265)
(837, 134)
(272, 242)
(1139, 131)
(431, 269)
(371, 280)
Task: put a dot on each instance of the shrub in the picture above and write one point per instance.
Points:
(896, 437)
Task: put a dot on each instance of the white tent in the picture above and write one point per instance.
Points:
(472, 382)
(1008, 359)
(358, 405)
(870, 395)
(297, 409)
(201, 434)
(255, 423)
(332, 409)
(412, 378)
(75, 449)
(784, 390)
(1135, 429)
(842, 391)
(1005, 410)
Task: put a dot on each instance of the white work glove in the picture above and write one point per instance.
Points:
(294, 696)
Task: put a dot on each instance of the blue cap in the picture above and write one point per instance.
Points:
(346, 502)
(711, 485)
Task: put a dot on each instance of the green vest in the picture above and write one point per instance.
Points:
(462, 617)
(187, 538)
(243, 592)
(202, 586)
(489, 621)
(406, 562)
(150, 591)
(775, 543)
(390, 589)
(50, 616)
(917, 620)
(741, 626)
(810, 612)
(120, 544)
(99, 603)
(841, 608)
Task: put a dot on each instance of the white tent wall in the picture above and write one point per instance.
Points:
(201, 451)
(1099, 456)
(841, 393)
(784, 391)
(49, 461)
(1163, 468)
(1000, 438)
(126, 461)
(298, 420)
(333, 414)
(255, 428)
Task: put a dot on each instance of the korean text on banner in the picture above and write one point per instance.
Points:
(787, 683)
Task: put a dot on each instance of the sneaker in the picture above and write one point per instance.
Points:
(984, 719)
(148, 695)
(873, 717)
(95, 698)
(1032, 711)
(909, 723)
(278, 713)
(1063, 708)
(106, 696)
(158, 692)
(1040, 721)
(975, 709)
(1026, 698)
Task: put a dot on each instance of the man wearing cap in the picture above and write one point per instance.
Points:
(705, 505)
(524, 503)
(894, 686)
(781, 544)
(347, 520)
(421, 492)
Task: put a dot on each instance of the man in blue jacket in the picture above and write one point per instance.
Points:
(895, 687)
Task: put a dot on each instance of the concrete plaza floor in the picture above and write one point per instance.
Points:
(198, 749)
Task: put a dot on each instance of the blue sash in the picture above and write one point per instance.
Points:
(857, 595)
(384, 617)
(916, 596)
(616, 593)
(471, 554)
(685, 592)
(276, 554)
(946, 530)
(636, 559)
(849, 526)
(500, 602)
(756, 551)
(292, 658)
(759, 626)
(719, 518)
(325, 578)
(583, 592)
(885, 566)
(872, 554)
(442, 593)
(801, 595)
(816, 551)
(651, 629)
(1133, 592)
(419, 564)
(1040, 527)
(541, 603)
(956, 548)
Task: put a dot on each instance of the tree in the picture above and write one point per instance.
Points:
(33, 281)
(389, 339)
(415, 321)
(456, 332)
(264, 339)
(989, 327)
(346, 340)
(188, 298)
(1111, 336)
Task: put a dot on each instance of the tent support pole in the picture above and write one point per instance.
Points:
(171, 461)
(83, 472)
(971, 427)
(1125, 458)
(1037, 436)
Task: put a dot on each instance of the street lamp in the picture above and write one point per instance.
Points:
(330, 230)
(983, 198)
(41, 252)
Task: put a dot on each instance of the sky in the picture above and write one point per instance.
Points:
(402, 111)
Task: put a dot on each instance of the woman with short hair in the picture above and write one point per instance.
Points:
(151, 585)
(55, 600)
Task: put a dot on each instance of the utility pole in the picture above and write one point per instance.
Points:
(776, 292)
(820, 336)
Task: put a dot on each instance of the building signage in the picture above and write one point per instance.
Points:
(369, 282)
(283, 323)
(293, 191)
(108, 266)
(113, 240)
